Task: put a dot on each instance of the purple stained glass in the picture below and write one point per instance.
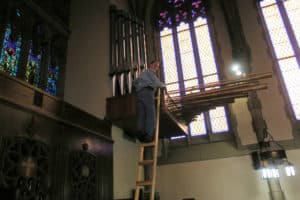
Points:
(10, 53)
(176, 3)
(176, 11)
(196, 4)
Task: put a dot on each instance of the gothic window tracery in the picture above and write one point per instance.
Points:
(188, 58)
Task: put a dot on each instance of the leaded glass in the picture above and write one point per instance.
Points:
(10, 53)
(267, 2)
(187, 56)
(283, 49)
(217, 116)
(197, 127)
(52, 79)
(207, 58)
(293, 10)
(210, 79)
(277, 31)
(33, 67)
(177, 11)
(291, 75)
(218, 120)
(179, 19)
(169, 61)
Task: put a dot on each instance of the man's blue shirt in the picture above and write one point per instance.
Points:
(147, 79)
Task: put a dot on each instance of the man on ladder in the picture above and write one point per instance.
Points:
(145, 87)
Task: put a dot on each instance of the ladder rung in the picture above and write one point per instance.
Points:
(143, 183)
(150, 144)
(146, 162)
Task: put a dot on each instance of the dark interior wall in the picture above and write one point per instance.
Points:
(87, 82)
(50, 152)
(50, 149)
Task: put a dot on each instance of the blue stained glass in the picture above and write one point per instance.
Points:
(10, 53)
(33, 68)
(52, 80)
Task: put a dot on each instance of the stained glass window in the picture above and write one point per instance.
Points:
(10, 53)
(183, 18)
(33, 67)
(284, 50)
(177, 11)
(52, 80)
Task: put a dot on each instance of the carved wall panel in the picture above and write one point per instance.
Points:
(83, 175)
(25, 165)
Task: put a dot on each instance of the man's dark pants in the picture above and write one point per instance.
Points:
(145, 111)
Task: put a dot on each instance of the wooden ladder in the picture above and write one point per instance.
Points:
(151, 162)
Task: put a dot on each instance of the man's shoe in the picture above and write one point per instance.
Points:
(148, 138)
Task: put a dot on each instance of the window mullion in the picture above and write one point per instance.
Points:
(45, 64)
(207, 125)
(196, 53)
(289, 30)
(25, 48)
(200, 76)
(178, 61)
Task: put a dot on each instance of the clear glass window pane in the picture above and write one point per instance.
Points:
(277, 32)
(207, 58)
(210, 79)
(217, 116)
(197, 127)
(169, 61)
(218, 120)
(267, 2)
(283, 48)
(187, 56)
(293, 10)
(291, 75)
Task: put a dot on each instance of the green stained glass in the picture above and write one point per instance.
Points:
(33, 67)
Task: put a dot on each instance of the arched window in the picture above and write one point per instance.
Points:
(281, 19)
(189, 59)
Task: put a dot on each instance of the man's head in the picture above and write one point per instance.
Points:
(154, 65)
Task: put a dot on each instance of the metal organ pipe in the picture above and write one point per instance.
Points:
(121, 51)
(128, 50)
(113, 53)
